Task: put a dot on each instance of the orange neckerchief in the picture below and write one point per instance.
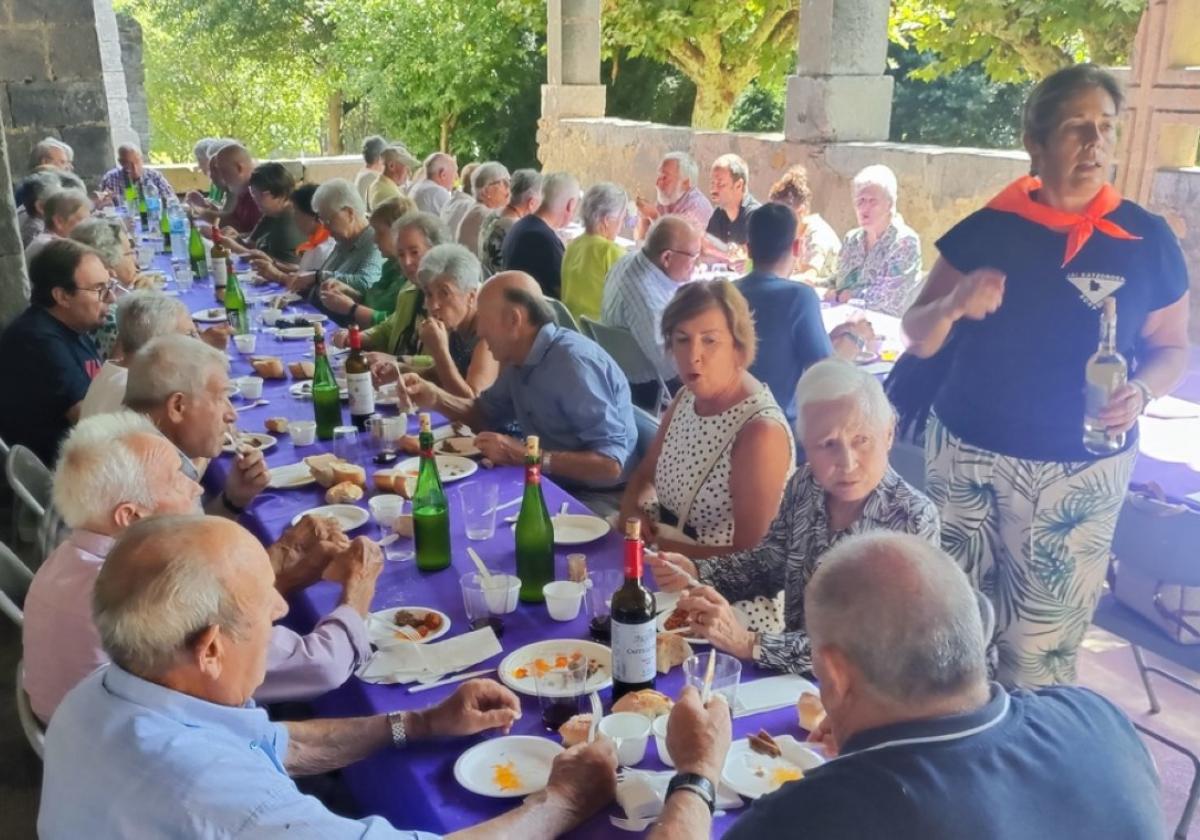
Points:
(1017, 198)
(313, 241)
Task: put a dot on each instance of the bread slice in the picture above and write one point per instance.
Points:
(268, 367)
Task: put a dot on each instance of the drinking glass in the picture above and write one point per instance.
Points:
(559, 691)
(183, 276)
(345, 443)
(145, 256)
(599, 599)
(385, 509)
(478, 501)
(483, 608)
(727, 674)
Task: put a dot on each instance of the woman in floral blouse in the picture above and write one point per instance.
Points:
(847, 425)
(880, 261)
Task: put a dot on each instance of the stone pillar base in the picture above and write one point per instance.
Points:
(837, 109)
(565, 101)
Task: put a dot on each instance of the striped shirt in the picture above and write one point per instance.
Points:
(635, 295)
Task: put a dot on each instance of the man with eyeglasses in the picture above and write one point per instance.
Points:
(638, 288)
(47, 357)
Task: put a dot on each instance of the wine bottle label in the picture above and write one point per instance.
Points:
(219, 273)
(362, 393)
(633, 651)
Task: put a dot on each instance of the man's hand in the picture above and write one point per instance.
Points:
(1123, 410)
(823, 735)
(583, 780)
(217, 336)
(698, 736)
(646, 209)
(670, 570)
(423, 393)
(301, 556)
(361, 565)
(248, 478)
(713, 618)
(500, 449)
(476, 706)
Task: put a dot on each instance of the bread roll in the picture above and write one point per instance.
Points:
(301, 370)
(268, 367)
(344, 471)
(409, 444)
(395, 481)
(671, 649)
(383, 480)
(321, 467)
(575, 730)
(276, 425)
(647, 702)
(811, 711)
(343, 493)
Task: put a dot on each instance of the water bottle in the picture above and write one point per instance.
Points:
(153, 215)
(179, 235)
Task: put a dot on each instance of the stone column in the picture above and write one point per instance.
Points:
(840, 92)
(135, 76)
(120, 123)
(572, 86)
(12, 256)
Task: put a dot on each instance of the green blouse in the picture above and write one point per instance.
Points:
(381, 297)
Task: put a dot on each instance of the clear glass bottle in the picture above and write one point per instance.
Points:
(1106, 371)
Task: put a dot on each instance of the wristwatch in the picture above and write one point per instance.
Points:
(1147, 394)
(545, 465)
(756, 648)
(399, 734)
(698, 785)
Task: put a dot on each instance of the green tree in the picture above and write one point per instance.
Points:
(721, 46)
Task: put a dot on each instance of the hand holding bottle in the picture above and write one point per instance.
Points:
(500, 449)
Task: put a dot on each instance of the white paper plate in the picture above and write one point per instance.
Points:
(661, 621)
(313, 317)
(381, 629)
(549, 650)
(752, 775)
(529, 757)
(577, 528)
(450, 467)
(210, 316)
(295, 333)
(348, 516)
(471, 452)
(303, 390)
(257, 440)
(291, 475)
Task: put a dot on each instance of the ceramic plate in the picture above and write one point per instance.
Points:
(450, 467)
(381, 626)
(295, 333)
(524, 658)
(291, 475)
(348, 516)
(258, 440)
(752, 774)
(508, 767)
(465, 447)
(577, 528)
(210, 316)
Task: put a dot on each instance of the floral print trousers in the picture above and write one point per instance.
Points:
(1034, 537)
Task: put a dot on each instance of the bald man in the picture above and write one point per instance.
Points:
(131, 170)
(232, 167)
(554, 383)
(175, 746)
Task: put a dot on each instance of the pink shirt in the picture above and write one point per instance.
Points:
(692, 205)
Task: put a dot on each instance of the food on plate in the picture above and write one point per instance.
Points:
(677, 620)
(321, 467)
(344, 471)
(401, 482)
(505, 776)
(544, 665)
(764, 744)
(268, 367)
(458, 445)
(301, 370)
(647, 702)
(409, 444)
(575, 730)
(671, 649)
(343, 493)
(577, 570)
(424, 622)
(276, 425)
(153, 280)
(810, 710)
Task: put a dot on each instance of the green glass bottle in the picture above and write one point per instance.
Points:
(326, 395)
(235, 305)
(431, 512)
(535, 531)
(196, 252)
(143, 208)
(130, 197)
(164, 226)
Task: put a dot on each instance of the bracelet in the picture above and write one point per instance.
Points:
(353, 309)
(230, 506)
(399, 733)
(545, 462)
(1147, 394)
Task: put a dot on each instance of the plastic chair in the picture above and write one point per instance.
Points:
(30, 725)
(908, 460)
(29, 479)
(15, 578)
(562, 315)
(618, 342)
(647, 428)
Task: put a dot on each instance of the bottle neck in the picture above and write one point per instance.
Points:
(633, 560)
(425, 440)
(355, 341)
(533, 472)
(1108, 335)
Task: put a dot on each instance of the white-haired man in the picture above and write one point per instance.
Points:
(398, 165)
(729, 180)
(175, 747)
(533, 245)
(431, 194)
(927, 747)
(131, 170)
(491, 185)
(51, 151)
(676, 194)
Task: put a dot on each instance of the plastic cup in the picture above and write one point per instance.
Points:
(478, 501)
(563, 598)
(599, 598)
(183, 275)
(386, 508)
(486, 604)
(659, 728)
(245, 345)
(559, 691)
(145, 256)
(303, 432)
(727, 674)
(345, 443)
(629, 733)
(251, 386)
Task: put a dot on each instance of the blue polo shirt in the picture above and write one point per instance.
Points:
(1015, 384)
(791, 334)
(1059, 763)
(569, 392)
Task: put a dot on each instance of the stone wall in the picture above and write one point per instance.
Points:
(135, 77)
(12, 256)
(113, 69)
(184, 177)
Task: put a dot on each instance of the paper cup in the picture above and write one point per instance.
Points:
(629, 733)
(303, 432)
(245, 345)
(251, 386)
(563, 598)
(659, 728)
(501, 596)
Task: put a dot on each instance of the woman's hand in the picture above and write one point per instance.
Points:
(1121, 413)
(713, 618)
(978, 294)
(340, 287)
(434, 337)
(300, 283)
(335, 301)
(384, 370)
(672, 572)
(340, 338)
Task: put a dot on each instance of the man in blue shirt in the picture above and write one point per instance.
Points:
(926, 747)
(787, 313)
(554, 383)
(166, 742)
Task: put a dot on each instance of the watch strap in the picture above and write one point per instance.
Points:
(698, 785)
(399, 732)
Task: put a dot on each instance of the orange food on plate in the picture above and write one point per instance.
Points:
(677, 620)
(521, 673)
(505, 776)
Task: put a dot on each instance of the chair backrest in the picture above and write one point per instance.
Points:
(562, 315)
(29, 478)
(35, 734)
(647, 428)
(15, 577)
(1161, 539)
(617, 342)
(908, 460)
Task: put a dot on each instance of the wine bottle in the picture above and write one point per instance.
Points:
(326, 395)
(1106, 371)
(195, 249)
(634, 634)
(535, 532)
(431, 512)
(220, 268)
(235, 306)
(143, 208)
(164, 226)
(358, 381)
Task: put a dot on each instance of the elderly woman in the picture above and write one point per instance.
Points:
(61, 212)
(1028, 510)
(312, 252)
(111, 240)
(713, 477)
(377, 303)
(588, 258)
(881, 259)
(846, 425)
(491, 185)
(525, 196)
(34, 190)
(461, 200)
(819, 243)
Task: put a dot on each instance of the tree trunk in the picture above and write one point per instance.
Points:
(333, 124)
(715, 94)
(447, 125)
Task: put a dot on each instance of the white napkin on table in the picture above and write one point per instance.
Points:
(642, 794)
(428, 662)
(770, 693)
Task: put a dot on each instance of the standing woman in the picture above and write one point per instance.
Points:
(1026, 509)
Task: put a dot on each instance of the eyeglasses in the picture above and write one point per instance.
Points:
(687, 254)
(101, 292)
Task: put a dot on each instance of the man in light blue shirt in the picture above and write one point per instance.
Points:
(554, 383)
(166, 742)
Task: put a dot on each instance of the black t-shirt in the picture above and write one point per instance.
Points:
(737, 231)
(45, 368)
(278, 236)
(532, 246)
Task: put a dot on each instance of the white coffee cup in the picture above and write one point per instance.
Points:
(245, 345)
(303, 432)
(629, 733)
(251, 386)
(271, 315)
(660, 739)
(563, 598)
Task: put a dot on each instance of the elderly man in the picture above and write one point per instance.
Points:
(53, 152)
(364, 180)
(787, 314)
(533, 245)
(232, 167)
(554, 383)
(47, 356)
(638, 289)
(491, 184)
(927, 748)
(204, 151)
(130, 170)
(184, 607)
(398, 165)
(431, 194)
(729, 181)
(676, 194)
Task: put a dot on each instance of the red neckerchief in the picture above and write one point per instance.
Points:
(1017, 198)
(319, 236)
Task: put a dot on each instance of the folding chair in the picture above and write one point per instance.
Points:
(562, 315)
(15, 578)
(618, 342)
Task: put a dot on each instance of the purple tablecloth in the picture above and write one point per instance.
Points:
(416, 788)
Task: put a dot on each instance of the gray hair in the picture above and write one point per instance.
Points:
(437, 163)
(203, 147)
(558, 189)
(601, 202)
(902, 611)
(451, 260)
(40, 185)
(64, 203)
(735, 166)
(170, 364)
(399, 154)
(335, 194)
(833, 379)
(526, 183)
(104, 236)
(41, 151)
(98, 468)
(372, 148)
(486, 173)
(876, 175)
(147, 614)
(145, 315)
(687, 165)
(435, 230)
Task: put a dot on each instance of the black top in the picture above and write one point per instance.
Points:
(462, 350)
(532, 246)
(737, 231)
(277, 236)
(45, 368)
